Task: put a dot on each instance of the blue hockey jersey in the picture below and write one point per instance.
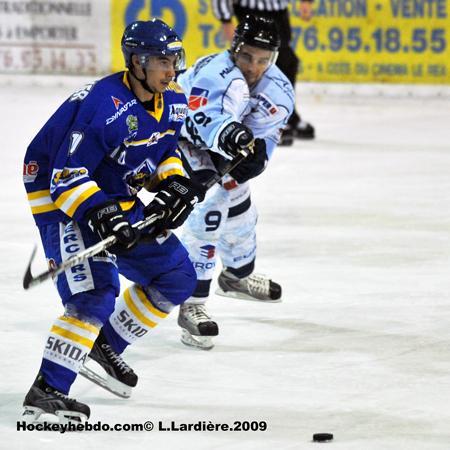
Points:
(102, 144)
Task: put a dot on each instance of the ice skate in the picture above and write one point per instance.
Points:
(304, 130)
(197, 326)
(44, 399)
(255, 287)
(287, 137)
(119, 378)
(301, 130)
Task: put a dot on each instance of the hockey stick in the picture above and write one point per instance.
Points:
(29, 280)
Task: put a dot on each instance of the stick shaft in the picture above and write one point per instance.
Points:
(29, 280)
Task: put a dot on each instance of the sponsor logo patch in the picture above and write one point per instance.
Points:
(30, 171)
(65, 349)
(123, 109)
(226, 71)
(129, 325)
(117, 102)
(175, 45)
(208, 251)
(267, 104)
(198, 98)
(178, 112)
(204, 266)
(132, 123)
(66, 176)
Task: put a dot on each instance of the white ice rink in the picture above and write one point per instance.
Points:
(355, 226)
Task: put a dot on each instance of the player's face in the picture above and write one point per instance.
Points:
(253, 62)
(160, 72)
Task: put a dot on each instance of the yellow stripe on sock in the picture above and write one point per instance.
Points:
(79, 323)
(146, 302)
(72, 336)
(134, 309)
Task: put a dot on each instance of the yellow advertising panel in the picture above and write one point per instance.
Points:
(394, 41)
(192, 19)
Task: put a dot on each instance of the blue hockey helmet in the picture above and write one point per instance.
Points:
(151, 38)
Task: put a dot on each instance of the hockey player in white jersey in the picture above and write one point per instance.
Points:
(235, 98)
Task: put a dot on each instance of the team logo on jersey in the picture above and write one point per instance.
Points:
(198, 98)
(266, 103)
(117, 102)
(30, 171)
(208, 251)
(132, 123)
(178, 112)
(156, 136)
(67, 176)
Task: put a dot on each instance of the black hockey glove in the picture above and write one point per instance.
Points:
(175, 200)
(253, 165)
(108, 219)
(235, 137)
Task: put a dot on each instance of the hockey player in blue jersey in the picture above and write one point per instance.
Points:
(88, 163)
(238, 92)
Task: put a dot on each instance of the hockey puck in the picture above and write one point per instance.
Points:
(322, 437)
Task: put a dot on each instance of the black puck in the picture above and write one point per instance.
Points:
(322, 437)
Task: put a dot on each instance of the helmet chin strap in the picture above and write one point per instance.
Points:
(143, 82)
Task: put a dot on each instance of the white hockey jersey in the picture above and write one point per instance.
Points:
(218, 94)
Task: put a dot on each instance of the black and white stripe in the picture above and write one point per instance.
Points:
(223, 9)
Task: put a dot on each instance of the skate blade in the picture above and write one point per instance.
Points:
(244, 296)
(201, 342)
(66, 417)
(33, 415)
(109, 383)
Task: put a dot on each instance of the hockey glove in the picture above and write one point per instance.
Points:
(253, 165)
(107, 220)
(175, 200)
(234, 138)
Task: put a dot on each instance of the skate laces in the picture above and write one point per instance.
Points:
(116, 358)
(198, 313)
(258, 284)
(50, 390)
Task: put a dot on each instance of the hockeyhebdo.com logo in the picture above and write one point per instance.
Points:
(85, 426)
(157, 426)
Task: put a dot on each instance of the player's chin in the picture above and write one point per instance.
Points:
(251, 79)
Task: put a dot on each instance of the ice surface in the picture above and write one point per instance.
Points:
(355, 226)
